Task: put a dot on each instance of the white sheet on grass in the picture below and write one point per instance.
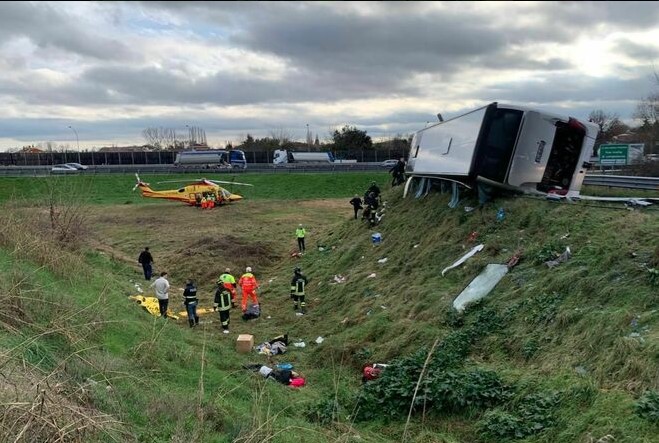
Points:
(480, 286)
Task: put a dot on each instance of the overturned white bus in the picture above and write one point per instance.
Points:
(505, 146)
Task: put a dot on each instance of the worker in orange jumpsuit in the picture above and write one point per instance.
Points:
(248, 286)
(204, 202)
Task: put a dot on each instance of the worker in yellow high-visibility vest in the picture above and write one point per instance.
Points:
(299, 233)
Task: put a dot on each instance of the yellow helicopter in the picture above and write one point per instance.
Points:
(195, 193)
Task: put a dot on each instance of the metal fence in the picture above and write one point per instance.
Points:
(164, 157)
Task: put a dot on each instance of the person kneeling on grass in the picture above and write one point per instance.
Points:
(222, 303)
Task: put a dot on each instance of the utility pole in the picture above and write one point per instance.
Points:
(77, 142)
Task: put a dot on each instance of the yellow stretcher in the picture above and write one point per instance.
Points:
(151, 306)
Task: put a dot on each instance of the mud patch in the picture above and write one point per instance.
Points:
(224, 251)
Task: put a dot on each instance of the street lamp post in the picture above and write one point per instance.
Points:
(189, 136)
(308, 137)
(77, 142)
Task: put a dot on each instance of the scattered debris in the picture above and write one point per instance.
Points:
(383, 307)
(565, 256)
(376, 238)
(464, 258)
(581, 370)
(369, 312)
(565, 236)
(481, 286)
(501, 215)
(320, 339)
(371, 275)
(299, 314)
(299, 344)
(512, 261)
(469, 208)
(272, 279)
(383, 260)
(345, 320)
(415, 246)
(473, 236)
(339, 279)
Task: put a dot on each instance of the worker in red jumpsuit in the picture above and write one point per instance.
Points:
(248, 286)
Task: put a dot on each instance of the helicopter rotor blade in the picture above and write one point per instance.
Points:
(231, 183)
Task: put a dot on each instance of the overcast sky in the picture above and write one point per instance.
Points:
(111, 69)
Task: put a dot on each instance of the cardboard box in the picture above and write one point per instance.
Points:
(244, 343)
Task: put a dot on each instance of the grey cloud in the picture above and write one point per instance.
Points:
(647, 53)
(49, 26)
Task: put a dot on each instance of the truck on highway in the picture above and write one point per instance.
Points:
(233, 158)
(282, 156)
(505, 146)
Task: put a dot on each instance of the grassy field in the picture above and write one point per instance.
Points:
(574, 347)
(115, 189)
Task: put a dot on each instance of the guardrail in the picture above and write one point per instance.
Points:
(621, 181)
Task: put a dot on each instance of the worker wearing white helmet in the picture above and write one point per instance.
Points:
(299, 233)
(248, 287)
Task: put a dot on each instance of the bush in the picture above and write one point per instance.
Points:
(647, 406)
(324, 412)
(531, 416)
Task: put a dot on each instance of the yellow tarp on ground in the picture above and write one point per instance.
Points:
(200, 311)
(151, 305)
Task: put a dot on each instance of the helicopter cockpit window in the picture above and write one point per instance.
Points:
(181, 190)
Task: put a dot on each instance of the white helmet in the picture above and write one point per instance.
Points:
(248, 269)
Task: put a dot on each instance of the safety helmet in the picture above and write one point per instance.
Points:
(248, 269)
(227, 270)
(300, 225)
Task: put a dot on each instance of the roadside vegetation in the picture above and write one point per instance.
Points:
(567, 354)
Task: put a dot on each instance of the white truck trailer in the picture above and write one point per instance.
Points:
(234, 158)
(505, 146)
(282, 156)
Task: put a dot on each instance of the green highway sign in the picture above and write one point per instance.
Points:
(614, 154)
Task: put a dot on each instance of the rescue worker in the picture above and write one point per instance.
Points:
(146, 260)
(211, 201)
(248, 286)
(198, 200)
(398, 173)
(222, 303)
(374, 189)
(190, 302)
(356, 203)
(204, 202)
(299, 233)
(228, 281)
(161, 286)
(297, 290)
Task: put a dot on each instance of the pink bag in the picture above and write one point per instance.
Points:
(297, 382)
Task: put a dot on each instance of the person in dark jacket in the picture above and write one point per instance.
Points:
(398, 173)
(190, 302)
(356, 203)
(146, 260)
(297, 290)
(222, 303)
(374, 189)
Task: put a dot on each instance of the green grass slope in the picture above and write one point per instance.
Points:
(552, 355)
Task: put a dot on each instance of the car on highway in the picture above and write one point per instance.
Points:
(77, 166)
(64, 169)
(389, 163)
